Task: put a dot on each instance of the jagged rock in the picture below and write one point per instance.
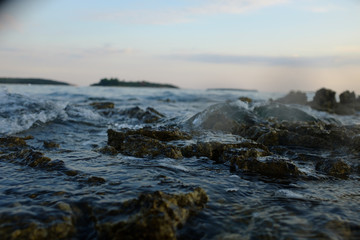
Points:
(151, 216)
(150, 115)
(294, 98)
(103, 105)
(336, 168)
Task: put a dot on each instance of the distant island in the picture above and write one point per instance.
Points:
(232, 89)
(114, 82)
(31, 81)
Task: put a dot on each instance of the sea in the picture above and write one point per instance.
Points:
(240, 205)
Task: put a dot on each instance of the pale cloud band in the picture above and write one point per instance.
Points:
(294, 61)
(184, 15)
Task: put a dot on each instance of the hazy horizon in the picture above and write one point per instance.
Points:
(273, 45)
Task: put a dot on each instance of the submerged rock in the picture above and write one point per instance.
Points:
(336, 168)
(151, 216)
(103, 105)
(21, 224)
(283, 113)
(50, 144)
(226, 117)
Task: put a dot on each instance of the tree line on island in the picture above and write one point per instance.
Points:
(38, 81)
(112, 82)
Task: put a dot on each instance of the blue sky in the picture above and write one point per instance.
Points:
(270, 45)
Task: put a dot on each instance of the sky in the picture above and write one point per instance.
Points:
(268, 45)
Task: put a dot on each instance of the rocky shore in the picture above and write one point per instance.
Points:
(275, 144)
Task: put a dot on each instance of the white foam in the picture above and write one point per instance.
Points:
(234, 189)
(20, 112)
(286, 193)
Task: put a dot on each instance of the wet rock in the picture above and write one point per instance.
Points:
(50, 144)
(336, 168)
(324, 100)
(221, 152)
(294, 98)
(150, 115)
(146, 142)
(151, 216)
(103, 105)
(226, 117)
(268, 166)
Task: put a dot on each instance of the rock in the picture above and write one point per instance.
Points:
(150, 115)
(336, 168)
(151, 216)
(347, 97)
(293, 98)
(146, 142)
(324, 100)
(103, 105)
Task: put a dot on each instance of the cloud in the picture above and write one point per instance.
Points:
(292, 61)
(165, 16)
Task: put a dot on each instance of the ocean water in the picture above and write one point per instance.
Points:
(240, 206)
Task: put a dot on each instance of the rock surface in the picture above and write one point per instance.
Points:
(151, 216)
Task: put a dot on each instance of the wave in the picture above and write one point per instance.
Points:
(19, 113)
